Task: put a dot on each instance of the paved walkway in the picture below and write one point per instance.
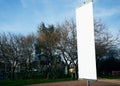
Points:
(115, 81)
(100, 82)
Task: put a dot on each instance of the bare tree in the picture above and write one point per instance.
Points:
(27, 49)
(9, 51)
(68, 44)
(48, 38)
(105, 42)
(16, 49)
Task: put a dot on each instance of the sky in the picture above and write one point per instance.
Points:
(24, 16)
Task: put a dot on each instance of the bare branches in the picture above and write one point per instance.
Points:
(15, 48)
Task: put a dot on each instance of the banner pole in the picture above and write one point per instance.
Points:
(88, 82)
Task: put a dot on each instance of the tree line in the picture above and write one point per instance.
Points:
(53, 51)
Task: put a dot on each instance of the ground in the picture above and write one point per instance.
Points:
(100, 82)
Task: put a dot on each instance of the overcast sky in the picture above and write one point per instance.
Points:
(24, 16)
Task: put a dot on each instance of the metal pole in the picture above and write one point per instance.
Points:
(88, 82)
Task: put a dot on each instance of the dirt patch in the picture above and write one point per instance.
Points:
(100, 82)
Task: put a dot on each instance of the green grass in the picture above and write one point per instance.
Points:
(109, 77)
(28, 82)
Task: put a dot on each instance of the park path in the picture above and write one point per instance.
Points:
(115, 81)
(100, 82)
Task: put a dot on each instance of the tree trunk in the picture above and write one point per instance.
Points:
(13, 73)
(68, 73)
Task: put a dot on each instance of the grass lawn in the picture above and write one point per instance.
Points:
(110, 77)
(28, 82)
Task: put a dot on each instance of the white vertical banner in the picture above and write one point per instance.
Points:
(85, 42)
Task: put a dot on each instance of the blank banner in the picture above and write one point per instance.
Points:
(85, 42)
